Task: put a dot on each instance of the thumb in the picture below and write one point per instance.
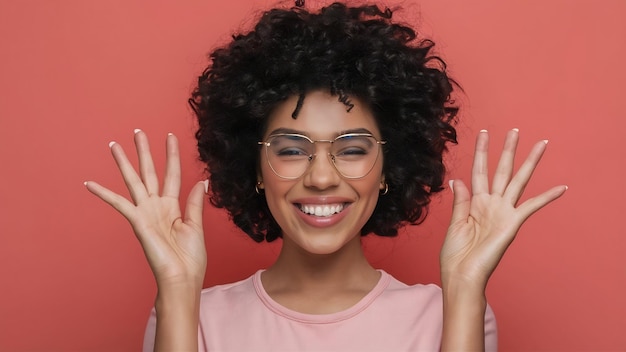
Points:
(195, 203)
(461, 204)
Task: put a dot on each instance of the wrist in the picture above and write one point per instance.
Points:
(465, 295)
(464, 298)
(178, 294)
(464, 307)
(453, 280)
(177, 308)
(179, 282)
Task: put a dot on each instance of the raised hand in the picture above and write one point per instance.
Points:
(484, 224)
(174, 246)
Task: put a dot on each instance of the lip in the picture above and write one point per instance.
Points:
(319, 221)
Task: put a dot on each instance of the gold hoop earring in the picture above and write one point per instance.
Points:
(386, 190)
(257, 189)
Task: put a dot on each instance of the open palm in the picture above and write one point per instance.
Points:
(173, 244)
(485, 223)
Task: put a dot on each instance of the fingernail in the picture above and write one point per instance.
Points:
(545, 141)
(516, 129)
(111, 144)
(566, 187)
(206, 186)
(483, 131)
(170, 134)
(85, 183)
(451, 184)
(136, 130)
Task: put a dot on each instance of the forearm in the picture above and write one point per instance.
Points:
(177, 310)
(463, 318)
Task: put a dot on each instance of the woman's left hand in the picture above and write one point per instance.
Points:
(485, 223)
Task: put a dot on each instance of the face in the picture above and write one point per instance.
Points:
(321, 189)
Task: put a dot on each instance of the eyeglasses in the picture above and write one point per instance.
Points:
(353, 155)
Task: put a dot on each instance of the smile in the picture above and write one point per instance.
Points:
(323, 210)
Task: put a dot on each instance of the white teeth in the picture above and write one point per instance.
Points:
(321, 210)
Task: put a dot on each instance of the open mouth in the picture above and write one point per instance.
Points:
(322, 210)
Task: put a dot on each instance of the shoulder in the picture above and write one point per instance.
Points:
(427, 302)
(409, 305)
(234, 287)
(219, 305)
(225, 297)
(418, 294)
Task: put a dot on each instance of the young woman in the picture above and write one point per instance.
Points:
(319, 128)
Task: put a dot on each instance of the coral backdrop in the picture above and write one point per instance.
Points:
(76, 74)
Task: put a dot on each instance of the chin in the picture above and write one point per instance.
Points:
(326, 243)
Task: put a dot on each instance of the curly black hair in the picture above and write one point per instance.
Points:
(348, 51)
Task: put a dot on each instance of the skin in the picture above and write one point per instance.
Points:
(173, 244)
(321, 264)
(323, 270)
(484, 224)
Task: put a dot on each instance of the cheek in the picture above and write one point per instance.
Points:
(369, 189)
(373, 193)
(376, 177)
(274, 188)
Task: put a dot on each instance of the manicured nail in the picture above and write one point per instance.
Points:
(170, 134)
(111, 144)
(85, 183)
(206, 186)
(451, 183)
(545, 141)
(136, 130)
(516, 129)
(483, 131)
(566, 188)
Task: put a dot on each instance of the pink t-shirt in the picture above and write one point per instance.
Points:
(393, 317)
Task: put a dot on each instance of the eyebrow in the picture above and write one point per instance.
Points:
(282, 130)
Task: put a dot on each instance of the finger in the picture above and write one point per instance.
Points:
(480, 177)
(118, 202)
(195, 202)
(171, 183)
(461, 204)
(131, 179)
(146, 165)
(531, 205)
(517, 185)
(504, 171)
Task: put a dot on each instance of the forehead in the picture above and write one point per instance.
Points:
(322, 116)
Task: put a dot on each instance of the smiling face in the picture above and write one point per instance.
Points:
(321, 211)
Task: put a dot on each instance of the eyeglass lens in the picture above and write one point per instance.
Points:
(354, 156)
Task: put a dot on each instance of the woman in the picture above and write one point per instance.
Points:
(320, 128)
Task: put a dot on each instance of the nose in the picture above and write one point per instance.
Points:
(321, 174)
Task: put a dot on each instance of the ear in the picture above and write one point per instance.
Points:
(383, 184)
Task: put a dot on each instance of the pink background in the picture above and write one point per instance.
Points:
(76, 74)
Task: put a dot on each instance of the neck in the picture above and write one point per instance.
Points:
(300, 270)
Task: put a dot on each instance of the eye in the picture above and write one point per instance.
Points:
(352, 147)
(291, 152)
(291, 147)
(351, 151)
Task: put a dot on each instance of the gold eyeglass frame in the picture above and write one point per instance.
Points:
(267, 143)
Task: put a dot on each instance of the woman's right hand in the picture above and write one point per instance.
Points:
(173, 244)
